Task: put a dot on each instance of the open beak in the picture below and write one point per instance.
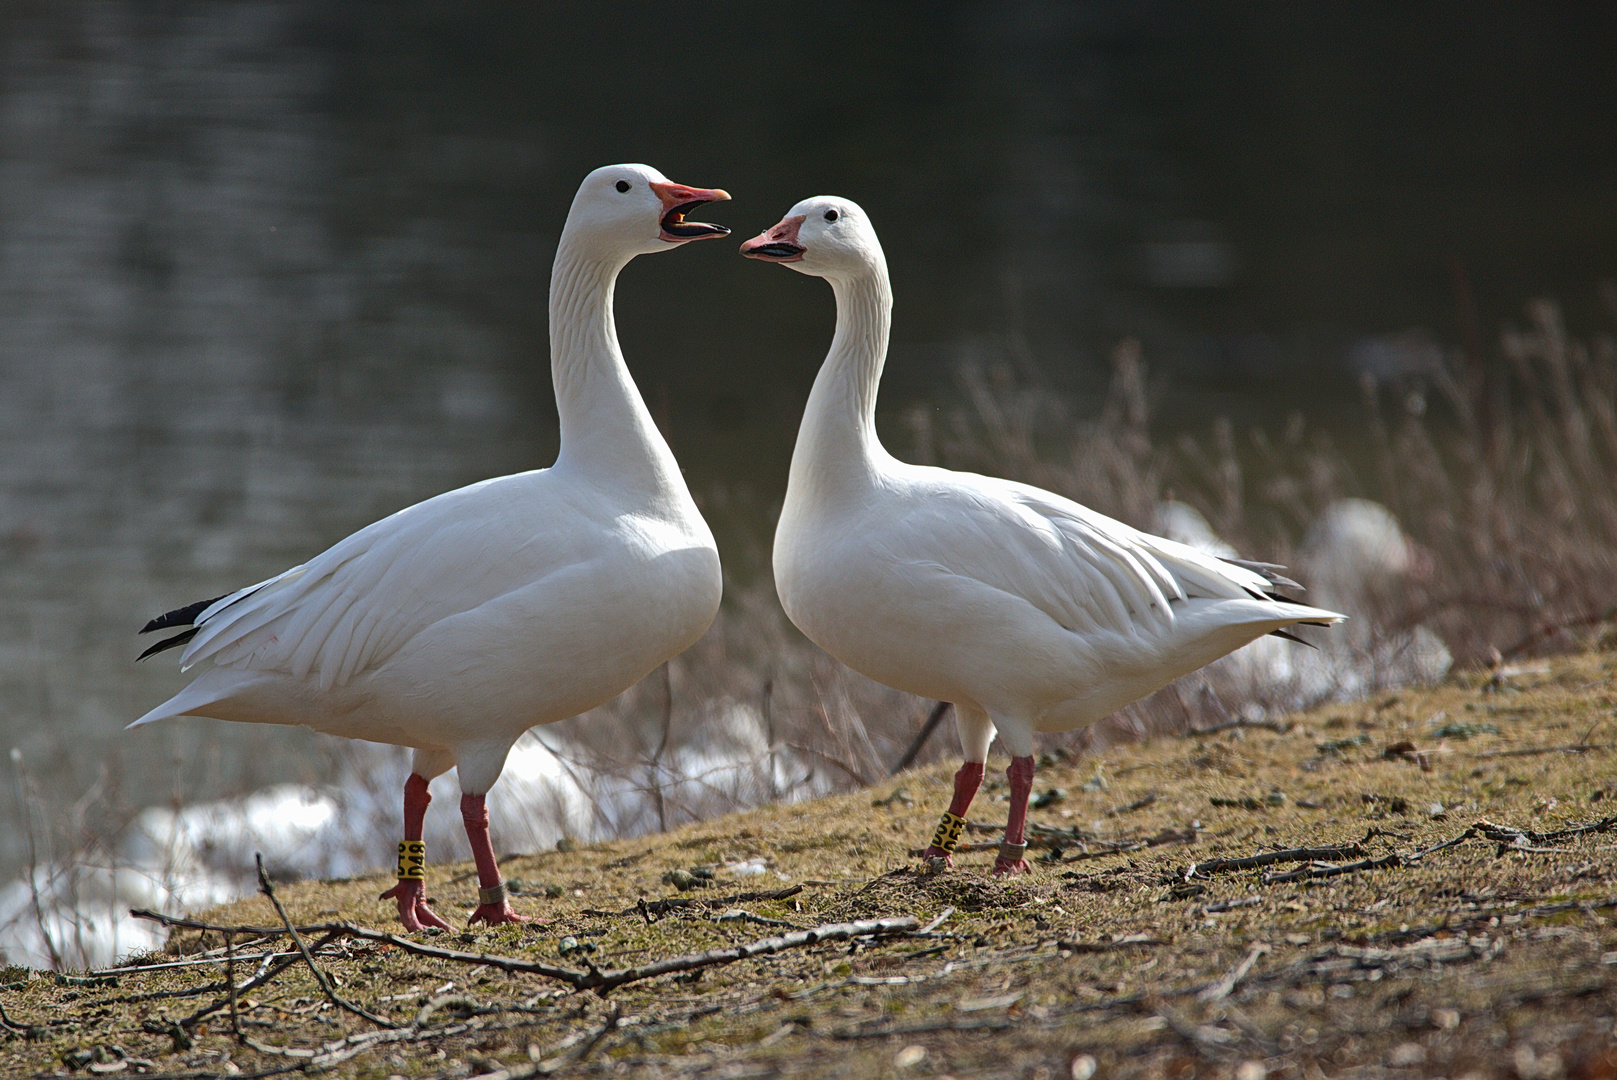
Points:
(778, 244)
(678, 200)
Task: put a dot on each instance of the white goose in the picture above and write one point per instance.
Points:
(455, 625)
(1027, 611)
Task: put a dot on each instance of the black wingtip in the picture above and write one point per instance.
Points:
(169, 643)
(184, 616)
(1269, 571)
(1292, 637)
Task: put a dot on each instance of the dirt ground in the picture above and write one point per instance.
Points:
(1419, 885)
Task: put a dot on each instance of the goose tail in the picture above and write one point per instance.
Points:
(215, 685)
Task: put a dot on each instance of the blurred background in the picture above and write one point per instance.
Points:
(272, 270)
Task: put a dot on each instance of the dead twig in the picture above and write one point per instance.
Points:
(1276, 726)
(1222, 906)
(921, 737)
(1138, 804)
(264, 974)
(937, 922)
(1186, 1031)
(606, 1029)
(1226, 986)
(1039, 835)
(1326, 871)
(594, 979)
(921, 1029)
(1504, 833)
(332, 996)
(1531, 751)
(8, 1026)
(742, 915)
(602, 982)
(210, 957)
(309, 1059)
(1507, 837)
(686, 903)
(1132, 941)
(1268, 858)
(230, 983)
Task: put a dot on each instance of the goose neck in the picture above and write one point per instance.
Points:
(840, 419)
(604, 421)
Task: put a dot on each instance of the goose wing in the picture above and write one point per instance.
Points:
(1086, 571)
(353, 606)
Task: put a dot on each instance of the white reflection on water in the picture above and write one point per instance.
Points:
(201, 380)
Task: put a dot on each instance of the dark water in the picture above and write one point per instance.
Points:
(271, 270)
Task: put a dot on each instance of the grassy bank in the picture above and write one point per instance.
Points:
(1135, 947)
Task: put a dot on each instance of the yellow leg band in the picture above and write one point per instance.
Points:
(947, 838)
(412, 860)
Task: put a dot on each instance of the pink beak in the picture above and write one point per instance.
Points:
(677, 199)
(779, 244)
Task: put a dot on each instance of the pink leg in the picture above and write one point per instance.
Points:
(966, 781)
(474, 812)
(1020, 774)
(411, 895)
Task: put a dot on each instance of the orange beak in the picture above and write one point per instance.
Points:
(677, 199)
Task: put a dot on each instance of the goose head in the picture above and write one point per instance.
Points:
(636, 210)
(824, 236)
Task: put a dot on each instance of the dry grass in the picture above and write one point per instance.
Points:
(1494, 954)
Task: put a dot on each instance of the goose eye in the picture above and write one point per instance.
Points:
(831, 215)
(623, 185)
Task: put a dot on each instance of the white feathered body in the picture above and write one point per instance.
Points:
(1007, 598)
(462, 621)
(458, 623)
(1026, 610)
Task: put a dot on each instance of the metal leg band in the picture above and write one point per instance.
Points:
(1012, 852)
(412, 860)
(494, 896)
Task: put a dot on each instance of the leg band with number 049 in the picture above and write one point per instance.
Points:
(947, 838)
(412, 860)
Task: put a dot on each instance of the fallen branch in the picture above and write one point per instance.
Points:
(212, 956)
(264, 974)
(1510, 838)
(1048, 836)
(602, 982)
(1507, 837)
(1268, 858)
(332, 996)
(1328, 871)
